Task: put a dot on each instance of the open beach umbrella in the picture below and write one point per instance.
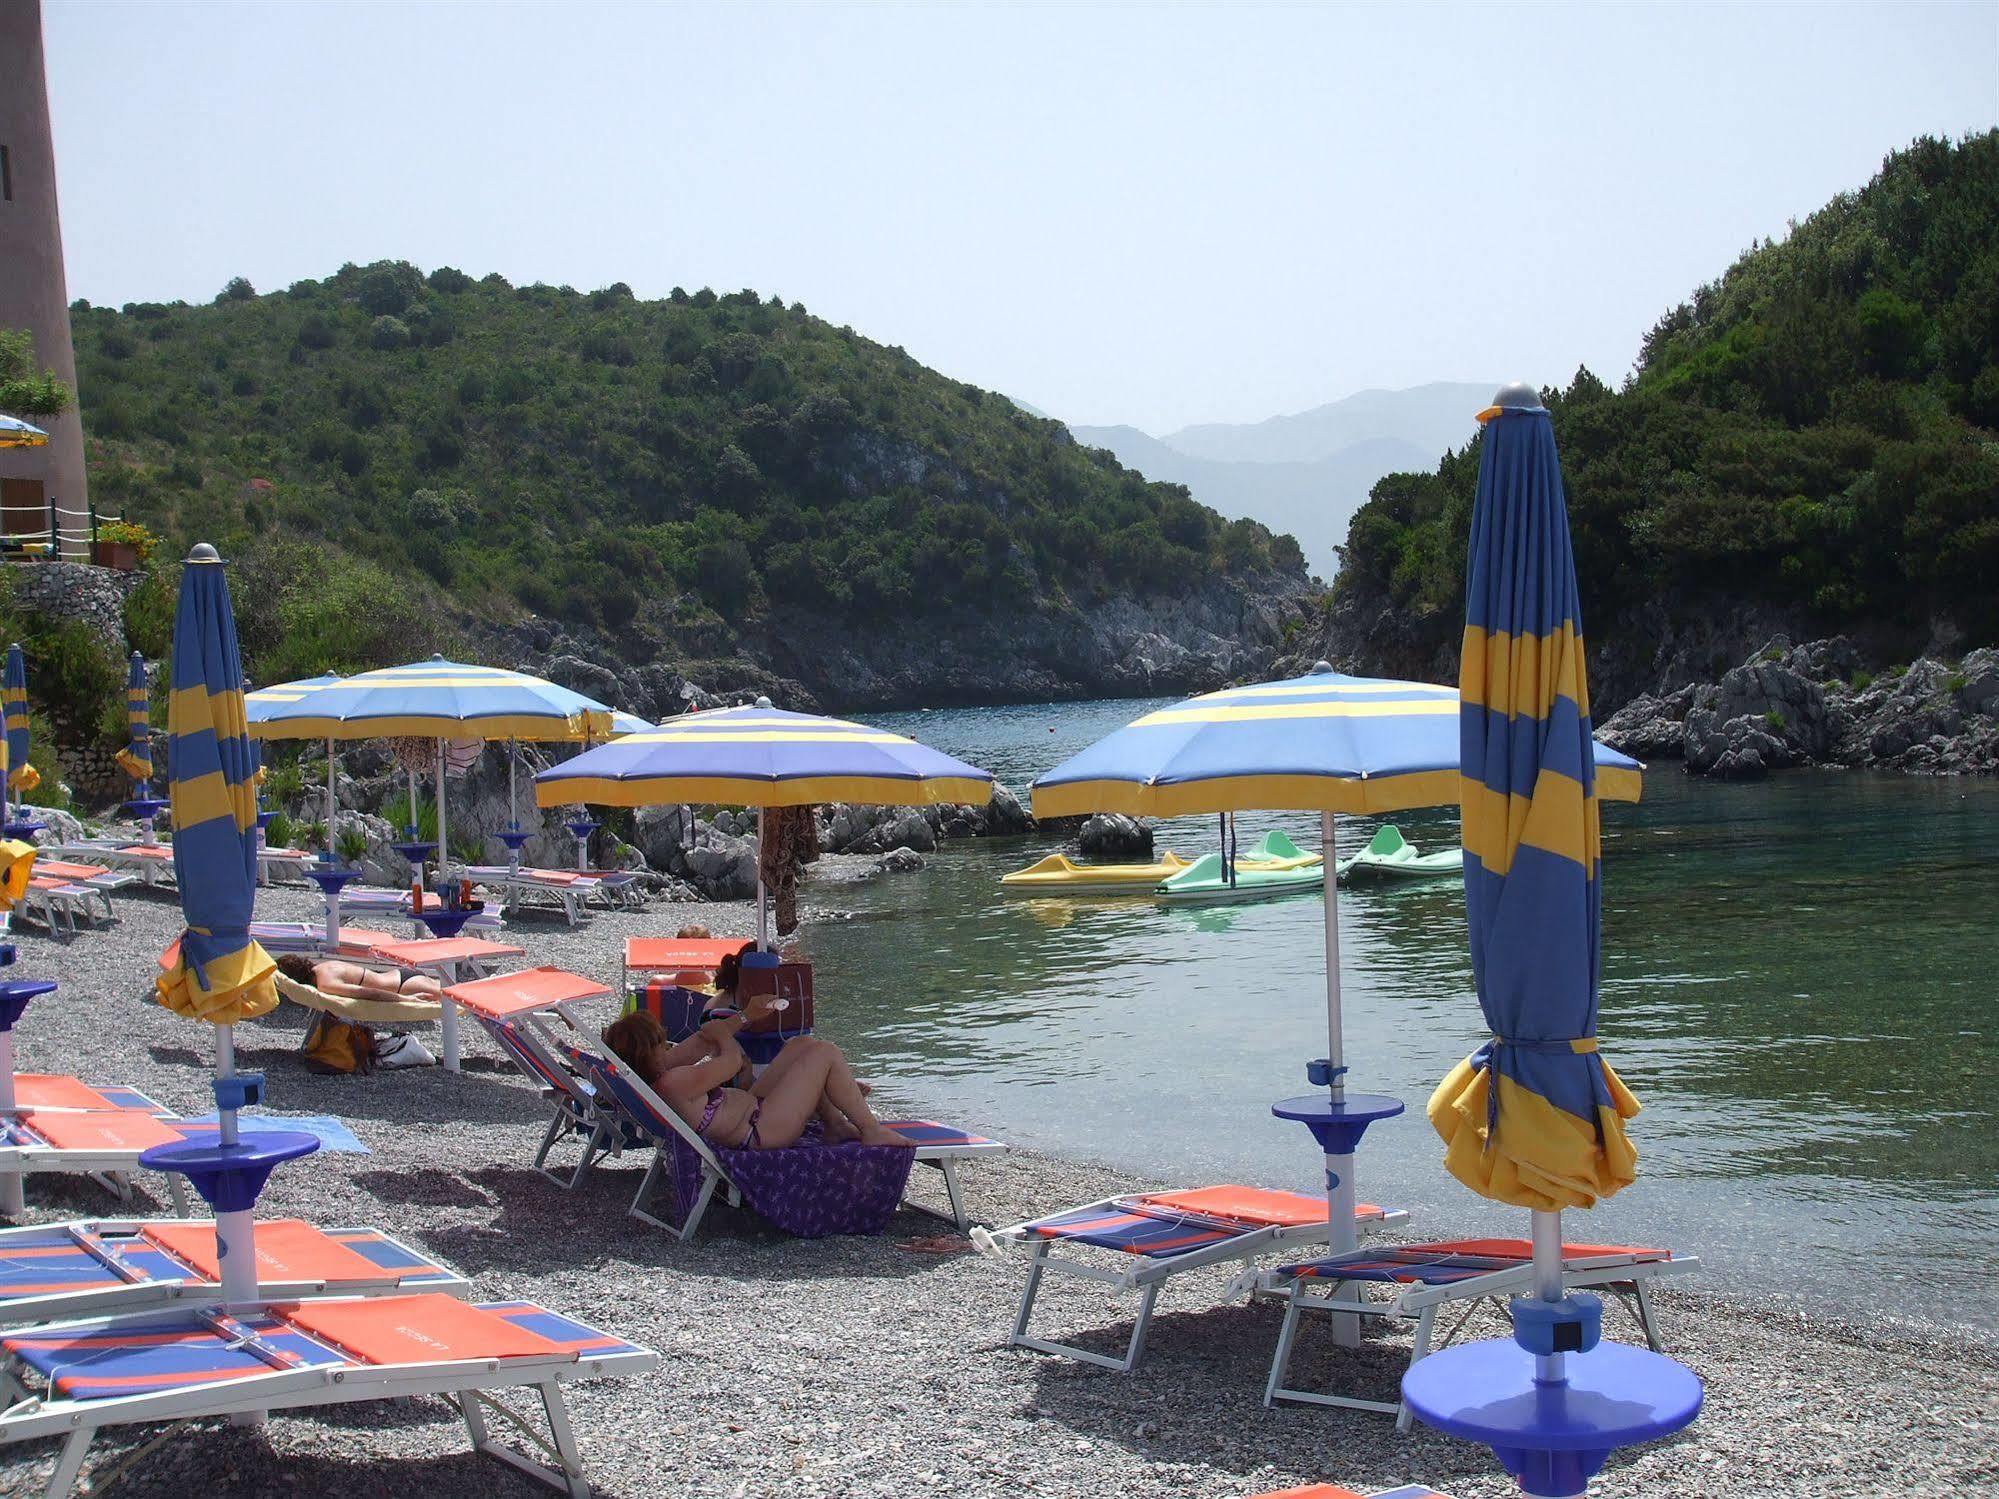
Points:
(259, 704)
(21, 776)
(1535, 1117)
(760, 756)
(1324, 742)
(434, 699)
(15, 433)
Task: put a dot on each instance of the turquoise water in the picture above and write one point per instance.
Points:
(1799, 984)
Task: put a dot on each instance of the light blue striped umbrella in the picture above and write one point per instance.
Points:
(221, 975)
(136, 759)
(15, 433)
(21, 776)
(258, 706)
(434, 699)
(760, 756)
(1324, 742)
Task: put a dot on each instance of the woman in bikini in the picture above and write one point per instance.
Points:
(352, 981)
(809, 1079)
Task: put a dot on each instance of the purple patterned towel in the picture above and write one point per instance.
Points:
(810, 1189)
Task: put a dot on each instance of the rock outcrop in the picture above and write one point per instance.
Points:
(1816, 704)
(1112, 836)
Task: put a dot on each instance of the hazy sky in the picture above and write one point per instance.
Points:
(1153, 216)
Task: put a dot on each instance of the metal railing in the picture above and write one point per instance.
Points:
(66, 531)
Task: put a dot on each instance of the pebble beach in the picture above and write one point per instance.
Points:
(879, 1366)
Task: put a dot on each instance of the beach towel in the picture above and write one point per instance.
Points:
(811, 1190)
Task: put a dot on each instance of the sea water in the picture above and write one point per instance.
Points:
(1799, 983)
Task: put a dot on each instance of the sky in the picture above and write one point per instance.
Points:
(1152, 215)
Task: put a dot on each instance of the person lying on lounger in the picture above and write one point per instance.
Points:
(352, 981)
(809, 1079)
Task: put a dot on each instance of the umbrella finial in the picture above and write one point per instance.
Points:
(204, 552)
(763, 702)
(1515, 395)
(1320, 669)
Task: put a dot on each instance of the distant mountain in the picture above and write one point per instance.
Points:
(1306, 474)
(1431, 417)
(1312, 501)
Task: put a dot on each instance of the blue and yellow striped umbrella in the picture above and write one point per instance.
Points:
(761, 756)
(17, 859)
(136, 759)
(221, 975)
(1323, 742)
(21, 776)
(434, 699)
(1535, 1117)
(15, 433)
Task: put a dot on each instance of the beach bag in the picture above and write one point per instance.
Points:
(335, 1046)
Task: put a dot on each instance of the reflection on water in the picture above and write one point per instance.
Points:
(1797, 984)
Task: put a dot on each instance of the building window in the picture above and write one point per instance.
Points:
(6, 177)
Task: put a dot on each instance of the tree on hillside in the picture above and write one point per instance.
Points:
(23, 391)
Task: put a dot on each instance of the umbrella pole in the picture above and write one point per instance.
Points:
(235, 1246)
(13, 1200)
(332, 806)
(763, 922)
(1548, 1285)
(1342, 1237)
(330, 887)
(443, 841)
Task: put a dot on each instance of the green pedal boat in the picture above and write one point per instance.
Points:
(1389, 855)
(1276, 866)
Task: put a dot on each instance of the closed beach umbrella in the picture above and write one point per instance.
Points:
(21, 776)
(17, 861)
(1535, 1117)
(1324, 742)
(434, 699)
(760, 756)
(221, 976)
(136, 759)
(15, 433)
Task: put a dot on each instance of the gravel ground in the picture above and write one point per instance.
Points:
(858, 1367)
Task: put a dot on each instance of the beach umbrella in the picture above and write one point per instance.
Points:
(258, 706)
(17, 865)
(15, 433)
(1323, 742)
(1535, 1117)
(136, 758)
(760, 756)
(21, 776)
(219, 974)
(436, 699)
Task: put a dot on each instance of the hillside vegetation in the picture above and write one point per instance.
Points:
(1814, 432)
(666, 473)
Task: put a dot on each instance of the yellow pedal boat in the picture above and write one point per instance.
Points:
(1058, 874)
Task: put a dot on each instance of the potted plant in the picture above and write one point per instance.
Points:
(122, 544)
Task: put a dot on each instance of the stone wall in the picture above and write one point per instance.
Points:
(79, 591)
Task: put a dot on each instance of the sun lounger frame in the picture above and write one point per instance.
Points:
(151, 1294)
(153, 870)
(110, 1169)
(1145, 1274)
(573, 1105)
(1626, 1276)
(28, 1417)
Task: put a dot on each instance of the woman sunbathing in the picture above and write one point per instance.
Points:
(809, 1079)
(352, 981)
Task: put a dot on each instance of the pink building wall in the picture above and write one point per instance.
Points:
(33, 291)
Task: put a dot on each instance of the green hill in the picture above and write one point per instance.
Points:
(1813, 440)
(395, 458)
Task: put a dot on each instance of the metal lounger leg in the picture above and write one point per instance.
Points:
(1287, 1334)
(1028, 1292)
(1418, 1351)
(953, 1196)
(1022, 1338)
(548, 1138)
(1648, 1317)
(69, 1467)
(568, 1478)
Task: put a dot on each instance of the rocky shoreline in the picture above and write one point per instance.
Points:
(1817, 704)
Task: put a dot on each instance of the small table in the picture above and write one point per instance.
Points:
(1552, 1437)
(445, 921)
(444, 958)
